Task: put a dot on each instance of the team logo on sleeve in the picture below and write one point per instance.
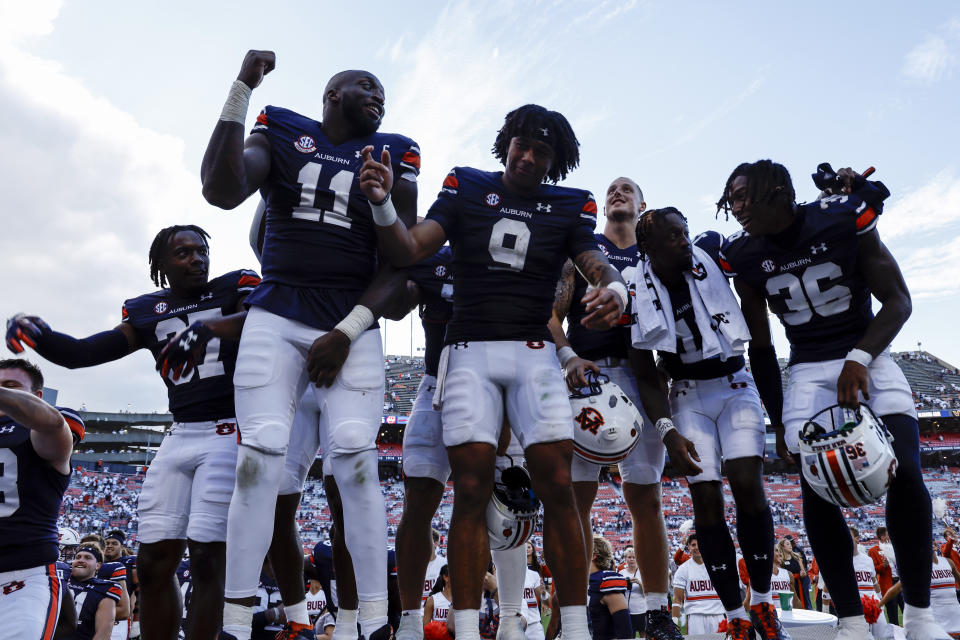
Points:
(305, 144)
(768, 265)
(160, 308)
(492, 199)
(441, 271)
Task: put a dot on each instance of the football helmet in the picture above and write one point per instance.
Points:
(846, 455)
(69, 541)
(606, 423)
(512, 510)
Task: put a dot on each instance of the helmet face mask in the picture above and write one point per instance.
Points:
(512, 510)
(69, 541)
(606, 423)
(846, 456)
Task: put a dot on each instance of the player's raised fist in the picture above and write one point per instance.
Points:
(24, 330)
(376, 178)
(256, 64)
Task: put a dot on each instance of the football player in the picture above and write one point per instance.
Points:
(113, 551)
(187, 489)
(716, 406)
(606, 352)
(95, 599)
(609, 613)
(35, 445)
(114, 572)
(510, 234)
(816, 267)
(319, 255)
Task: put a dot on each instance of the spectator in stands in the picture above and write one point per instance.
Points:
(884, 568)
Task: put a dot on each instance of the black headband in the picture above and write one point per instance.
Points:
(92, 551)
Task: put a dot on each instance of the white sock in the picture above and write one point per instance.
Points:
(238, 620)
(297, 612)
(574, 621)
(364, 522)
(757, 598)
(346, 627)
(854, 621)
(411, 625)
(372, 616)
(511, 573)
(250, 519)
(467, 623)
(656, 601)
(739, 612)
(916, 613)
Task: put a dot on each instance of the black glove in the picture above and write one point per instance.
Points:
(184, 351)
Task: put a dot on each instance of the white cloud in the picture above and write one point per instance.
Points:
(931, 271)
(20, 20)
(929, 61)
(925, 210)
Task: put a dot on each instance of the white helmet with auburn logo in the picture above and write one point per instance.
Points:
(512, 510)
(606, 424)
(846, 455)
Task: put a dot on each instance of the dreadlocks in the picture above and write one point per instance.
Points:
(767, 182)
(159, 245)
(533, 121)
(649, 219)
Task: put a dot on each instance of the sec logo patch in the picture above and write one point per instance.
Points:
(768, 265)
(160, 308)
(492, 199)
(305, 144)
(440, 271)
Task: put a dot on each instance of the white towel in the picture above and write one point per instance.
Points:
(715, 308)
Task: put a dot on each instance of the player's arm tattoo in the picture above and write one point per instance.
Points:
(564, 293)
(886, 283)
(596, 269)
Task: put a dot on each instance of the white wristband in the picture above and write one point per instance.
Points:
(860, 357)
(621, 290)
(565, 355)
(357, 321)
(238, 100)
(384, 214)
(665, 426)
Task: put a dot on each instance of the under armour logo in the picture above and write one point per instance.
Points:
(818, 249)
(545, 132)
(356, 154)
(759, 557)
(7, 429)
(188, 339)
(722, 567)
(545, 208)
(460, 345)
(207, 296)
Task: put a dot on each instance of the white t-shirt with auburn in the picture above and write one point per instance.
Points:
(430, 577)
(530, 584)
(781, 582)
(698, 592)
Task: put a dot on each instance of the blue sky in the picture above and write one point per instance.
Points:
(107, 107)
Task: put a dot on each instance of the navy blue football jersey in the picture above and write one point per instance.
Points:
(688, 361)
(268, 595)
(603, 582)
(319, 247)
(594, 345)
(87, 596)
(207, 394)
(63, 571)
(115, 571)
(809, 273)
(31, 491)
(508, 251)
(434, 276)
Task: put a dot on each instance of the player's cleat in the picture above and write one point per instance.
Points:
(383, 633)
(918, 624)
(853, 628)
(740, 629)
(511, 628)
(766, 622)
(296, 631)
(660, 626)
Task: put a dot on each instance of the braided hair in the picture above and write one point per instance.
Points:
(649, 219)
(767, 182)
(536, 122)
(160, 243)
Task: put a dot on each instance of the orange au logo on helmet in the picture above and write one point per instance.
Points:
(589, 419)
